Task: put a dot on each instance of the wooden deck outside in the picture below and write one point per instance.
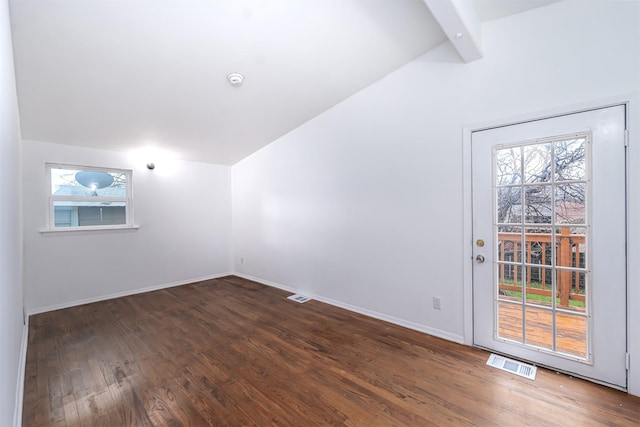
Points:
(570, 251)
(571, 329)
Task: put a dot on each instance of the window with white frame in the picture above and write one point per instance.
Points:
(88, 198)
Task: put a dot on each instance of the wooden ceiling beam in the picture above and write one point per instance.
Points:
(459, 21)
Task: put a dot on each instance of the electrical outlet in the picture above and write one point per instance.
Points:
(436, 303)
(241, 260)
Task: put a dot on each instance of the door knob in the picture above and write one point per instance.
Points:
(479, 259)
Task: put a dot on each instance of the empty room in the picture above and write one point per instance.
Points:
(319, 212)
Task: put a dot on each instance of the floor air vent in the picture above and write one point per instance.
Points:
(513, 366)
(299, 298)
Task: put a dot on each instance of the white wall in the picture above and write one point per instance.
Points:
(183, 210)
(364, 205)
(11, 321)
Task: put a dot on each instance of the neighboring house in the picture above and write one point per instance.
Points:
(566, 213)
(83, 213)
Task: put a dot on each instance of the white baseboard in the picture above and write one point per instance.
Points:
(17, 412)
(391, 319)
(37, 310)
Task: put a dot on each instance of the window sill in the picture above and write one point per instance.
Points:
(84, 230)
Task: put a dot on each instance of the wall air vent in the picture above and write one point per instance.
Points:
(299, 298)
(513, 366)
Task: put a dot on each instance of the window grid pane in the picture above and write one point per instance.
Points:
(88, 197)
(541, 237)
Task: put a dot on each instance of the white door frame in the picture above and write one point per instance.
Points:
(632, 102)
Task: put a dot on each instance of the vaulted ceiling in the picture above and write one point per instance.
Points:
(125, 75)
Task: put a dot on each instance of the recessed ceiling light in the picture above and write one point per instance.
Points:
(235, 79)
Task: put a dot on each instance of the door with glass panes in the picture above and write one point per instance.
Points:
(549, 278)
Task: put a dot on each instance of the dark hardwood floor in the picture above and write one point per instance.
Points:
(230, 352)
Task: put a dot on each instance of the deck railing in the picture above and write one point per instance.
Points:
(570, 252)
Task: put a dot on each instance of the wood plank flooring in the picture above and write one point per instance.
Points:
(230, 352)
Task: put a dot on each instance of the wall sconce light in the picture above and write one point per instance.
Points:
(151, 166)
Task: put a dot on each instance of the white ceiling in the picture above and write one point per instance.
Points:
(125, 75)
(489, 10)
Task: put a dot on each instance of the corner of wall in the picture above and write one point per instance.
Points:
(17, 413)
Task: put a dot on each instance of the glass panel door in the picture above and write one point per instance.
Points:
(549, 248)
(541, 200)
